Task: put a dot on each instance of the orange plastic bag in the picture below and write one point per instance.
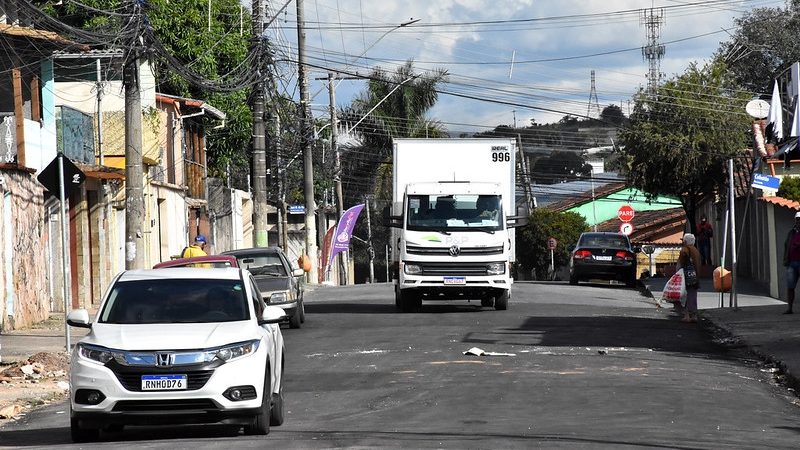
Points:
(722, 280)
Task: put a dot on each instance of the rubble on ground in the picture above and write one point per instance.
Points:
(38, 380)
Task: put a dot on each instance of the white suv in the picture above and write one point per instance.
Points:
(178, 346)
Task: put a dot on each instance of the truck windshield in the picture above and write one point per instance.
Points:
(458, 212)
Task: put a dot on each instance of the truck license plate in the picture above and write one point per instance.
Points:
(163, 382)
(455, 280)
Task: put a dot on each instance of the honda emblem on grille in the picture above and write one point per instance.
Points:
(455, 250)
(164, 359)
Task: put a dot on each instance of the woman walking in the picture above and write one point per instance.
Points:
(689, 260)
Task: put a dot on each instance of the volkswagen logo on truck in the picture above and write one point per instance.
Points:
(455, 250)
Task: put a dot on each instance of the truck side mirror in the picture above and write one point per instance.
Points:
(391, 221)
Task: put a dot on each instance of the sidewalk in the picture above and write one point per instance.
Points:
(758, 323)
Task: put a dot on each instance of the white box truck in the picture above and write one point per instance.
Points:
(453, 214)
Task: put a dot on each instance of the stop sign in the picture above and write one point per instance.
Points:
(625, 213)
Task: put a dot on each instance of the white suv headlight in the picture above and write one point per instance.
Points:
(95, 353)
(234, 351)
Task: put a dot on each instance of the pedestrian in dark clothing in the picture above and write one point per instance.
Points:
(791, 260)
(704, 235)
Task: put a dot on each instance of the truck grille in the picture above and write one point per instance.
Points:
(445, 251)
(452, 269)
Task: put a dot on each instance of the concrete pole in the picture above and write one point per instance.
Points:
(308, 156)
(337, 171)
(732, 198)
(370, 250)
(99, 87)
(134, 172)
(259, 170)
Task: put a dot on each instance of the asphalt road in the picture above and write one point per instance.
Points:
(594, 366)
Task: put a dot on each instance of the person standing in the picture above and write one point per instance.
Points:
(689, 260)
(196, 249)
(791, 260)
(704, 235)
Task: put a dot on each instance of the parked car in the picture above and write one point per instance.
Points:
(604, 256)
(280, 282)
(178, 345)
(210, 261)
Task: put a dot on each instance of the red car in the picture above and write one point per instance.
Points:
(210, 261)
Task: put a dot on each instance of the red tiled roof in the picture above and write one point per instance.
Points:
(780, 201)
(663, 226)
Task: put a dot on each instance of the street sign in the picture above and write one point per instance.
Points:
(73, 177)
(766, 182)
(552, 243)
(625, 213)
(297, 209)
(648, 249)
(626, 228)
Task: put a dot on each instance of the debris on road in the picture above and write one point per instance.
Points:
(475, 351)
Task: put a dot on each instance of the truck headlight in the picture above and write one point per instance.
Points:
(278, 297)
(497, 268)
(412, 269)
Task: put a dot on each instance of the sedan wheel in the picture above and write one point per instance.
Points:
(277, 414)
(80, 434)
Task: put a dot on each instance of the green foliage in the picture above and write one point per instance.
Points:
(681, 136)
(212, 52)
(763, 45)
(559, 167)
(533, 256)
(613, 115)
(790, 188)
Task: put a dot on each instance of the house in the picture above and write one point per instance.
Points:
(27, 145)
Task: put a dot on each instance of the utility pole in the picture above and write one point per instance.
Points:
(308, 157)
(99, 87)
(259, 170)
(337, 170)
(370, 250)
(134, 189)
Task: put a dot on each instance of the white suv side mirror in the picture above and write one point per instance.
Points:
(79, 318)
(272, 314)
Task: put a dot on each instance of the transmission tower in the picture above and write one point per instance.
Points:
(653, 51)
(593, 110)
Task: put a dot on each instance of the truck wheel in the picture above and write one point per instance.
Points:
(398, 299)
(501, 301)
(487, 301)
(294, 321)
(409, 301)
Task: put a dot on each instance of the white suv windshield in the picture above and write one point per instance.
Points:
(457, 212)
(176, 301)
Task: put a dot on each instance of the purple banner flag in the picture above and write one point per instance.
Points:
(344, 230)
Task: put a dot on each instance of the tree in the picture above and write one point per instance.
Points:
(612, 115)
(559, 167)
(209, 50)
(681, 136)
(533, 256)
(762, 46)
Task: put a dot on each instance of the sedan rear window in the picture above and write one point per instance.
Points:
(176, 301)
(604, 241)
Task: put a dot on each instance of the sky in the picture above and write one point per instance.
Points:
(554, 46)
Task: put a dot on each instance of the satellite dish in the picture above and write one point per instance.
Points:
(758, 109)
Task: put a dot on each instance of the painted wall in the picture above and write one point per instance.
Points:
(605, 208)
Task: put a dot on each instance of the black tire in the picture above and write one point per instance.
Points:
(398, 299)
(260, 422)
(409, 301)
(294, 321)
(487, 301)
(278, 414)
(501, 301)
(631, 281)
(302, 312)
(80, 434)
(573, 279)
